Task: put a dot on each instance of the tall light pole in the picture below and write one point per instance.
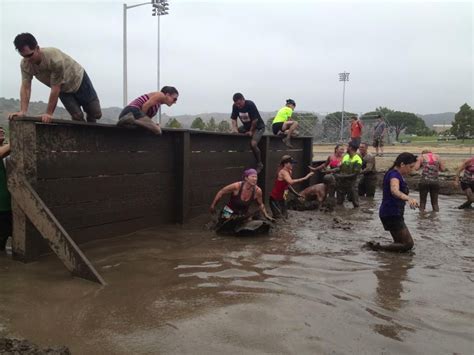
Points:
(160, 7)
(343, 77)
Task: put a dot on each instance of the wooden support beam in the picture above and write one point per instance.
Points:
(44, 221)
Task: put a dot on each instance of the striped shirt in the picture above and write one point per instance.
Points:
(140, 101)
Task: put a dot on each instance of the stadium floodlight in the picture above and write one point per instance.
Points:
(343, 77)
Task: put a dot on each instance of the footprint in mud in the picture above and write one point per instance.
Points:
(339, 223)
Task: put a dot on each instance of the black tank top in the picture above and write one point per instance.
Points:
(237, 205)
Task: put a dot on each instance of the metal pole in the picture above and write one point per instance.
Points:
(158, 66)
(125, 55)
(342, 114)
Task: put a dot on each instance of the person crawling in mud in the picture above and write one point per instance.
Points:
(282, 186)
(392, 209)
(328, 168)
(311, 198)
(467, 181)
(140, 111)
(235, 217)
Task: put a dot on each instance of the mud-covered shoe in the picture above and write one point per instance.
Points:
(287, 142)
(127, 121)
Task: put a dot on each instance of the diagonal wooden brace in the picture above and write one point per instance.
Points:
(46, 223)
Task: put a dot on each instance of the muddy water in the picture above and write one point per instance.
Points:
(308, 288)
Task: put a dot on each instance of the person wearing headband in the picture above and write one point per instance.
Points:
(283, 124)
(242, 195)
(282, 184)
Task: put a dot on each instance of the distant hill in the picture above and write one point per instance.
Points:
(438, 118)
(110, 114)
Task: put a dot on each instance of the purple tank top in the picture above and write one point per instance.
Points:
(140, 101)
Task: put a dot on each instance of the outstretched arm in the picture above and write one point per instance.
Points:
(4, 151)
(261, 205)
(286, 176)
(225, 190)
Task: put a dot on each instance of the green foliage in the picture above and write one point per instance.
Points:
(463, 125)
(173, 123)
(211, 125)
(224, 127)
(198, 123)
(406, 122)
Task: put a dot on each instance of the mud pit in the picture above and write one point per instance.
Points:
(307, 288)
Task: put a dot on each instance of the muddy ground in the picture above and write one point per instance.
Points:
(307, 288)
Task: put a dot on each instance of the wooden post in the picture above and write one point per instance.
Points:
(183, 176)
(265, 173)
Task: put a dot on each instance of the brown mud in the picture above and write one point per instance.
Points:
(307, 288)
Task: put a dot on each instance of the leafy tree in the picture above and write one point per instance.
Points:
(463, 125)
(198, 123)
(406, 122)
(211, 125)
(224, 127)
(173, 123)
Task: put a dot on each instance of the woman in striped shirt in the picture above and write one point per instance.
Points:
(140, 111)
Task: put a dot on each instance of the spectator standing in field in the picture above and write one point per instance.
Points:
(380, 129)
(356, 131)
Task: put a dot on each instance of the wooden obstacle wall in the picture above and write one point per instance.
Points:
(101, 181)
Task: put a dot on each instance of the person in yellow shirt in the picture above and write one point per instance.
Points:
(283, 123)
(346, 178)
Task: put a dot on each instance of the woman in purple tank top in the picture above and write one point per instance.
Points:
(140, 111)
(392, 208)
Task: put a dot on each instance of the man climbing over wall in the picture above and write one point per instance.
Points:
(252, 124)
(67, 79)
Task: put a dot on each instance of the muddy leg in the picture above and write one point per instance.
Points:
(147, 123)
(403, 242)
(423, 187)
(434, 192)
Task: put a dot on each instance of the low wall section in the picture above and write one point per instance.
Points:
(102, 181)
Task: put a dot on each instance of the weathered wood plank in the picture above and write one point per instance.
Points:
(83, 164)
(208, 143)
(277, 144)
(213, 161)
(91, 138)
(114, 210)
(66, 191)
(58, 239)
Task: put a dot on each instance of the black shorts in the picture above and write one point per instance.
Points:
(133, 110)
(85, 96)
(257, 135)
(393, 223)
(5, 227)
(467, 185)
(277, 127)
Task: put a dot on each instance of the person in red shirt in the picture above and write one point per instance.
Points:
(356, 130)
(283, 183)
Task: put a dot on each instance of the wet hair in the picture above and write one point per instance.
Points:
(353, 146)
(353, 118)
(364, 143)
(25, 39)
(405, 158)
(337, 147)
(379, 116)
(238, 96)
(170, 90)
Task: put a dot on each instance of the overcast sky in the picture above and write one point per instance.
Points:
(410, 56)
